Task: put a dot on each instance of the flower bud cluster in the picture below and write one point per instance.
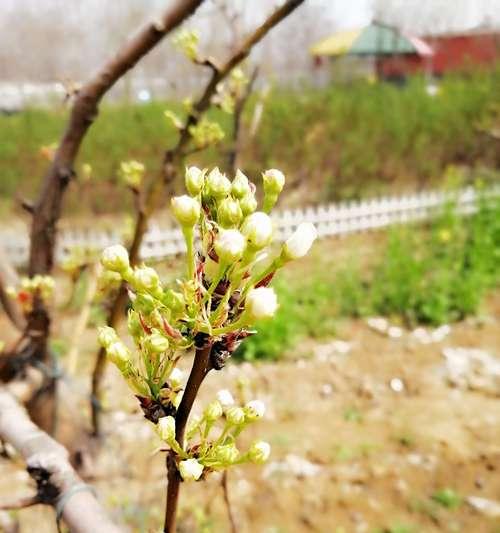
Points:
(38, 286)
(132, 173)
(211, 438)
(230, 262)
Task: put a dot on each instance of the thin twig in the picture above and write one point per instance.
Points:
(199, 370)
(230, 514)
(20, 503)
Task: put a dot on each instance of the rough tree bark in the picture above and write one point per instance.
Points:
(48, 464)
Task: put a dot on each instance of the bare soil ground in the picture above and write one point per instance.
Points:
(351, 454)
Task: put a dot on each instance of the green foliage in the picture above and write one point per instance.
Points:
(435, 275)
(297, 317)
(432, 275)
(349, 141)
(447, 498)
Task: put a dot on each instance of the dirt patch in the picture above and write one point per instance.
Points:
(362, 439)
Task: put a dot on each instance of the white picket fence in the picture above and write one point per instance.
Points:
(330, 220)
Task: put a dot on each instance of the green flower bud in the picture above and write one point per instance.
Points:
(115, 258)
(227, 454)
(259, 452)
(132, 173)
(190, 470)
(235, 416)
(118, 354)
(274, 181)
(174, 300)
(106, 336)
(186, 210)
(229, 246)
(240, 186)
(211, 268)
(145, 279)
(248, 204)
(156, 342)
(166, 428)
(144, 304)
(195, 178)
(229, 213)
(134, 325)
(217, 185)
(258, 229)
(213, 411)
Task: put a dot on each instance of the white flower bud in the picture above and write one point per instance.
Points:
(115, 258)
(175, 379)
(186, 210)
(248, 204)
(106, 336)
(190, 470)
(118, 354)
(166, 428)
(217, 185)
(261, 303)
(259, 452)
(213, 411)
(229, 213)
(235, 416)
(274, 181)
(240, 186)
(230, 245)
(156, 342)
(300, 242)
(254, 410)
(258, 229)
(225, 398)
(195, 178)
(146, 279)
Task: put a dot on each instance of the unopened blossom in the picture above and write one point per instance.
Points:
(190, 470)
(186, 210)
(156, 342)
(115, 258)
(258, 229)
(235, 415)
(300, 242)
(217, 185)
(248, 204)
(106, 336)
(261, 303)
(240, 186)
(176, 377)
(274, 181)
(195, 178)
(229, 213)
(254, 410)
(166, 428)
(118, 354)
(227, 454)
(146, 279)
(213, 411)
(225, 398)
(259, 452)
(230, 245)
